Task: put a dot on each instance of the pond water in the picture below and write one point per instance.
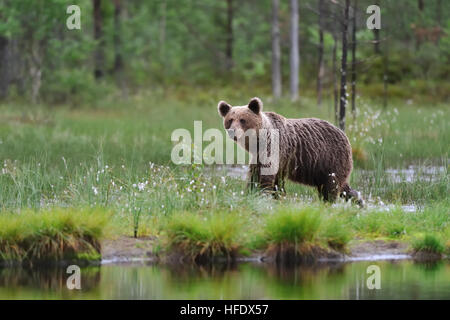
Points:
(400, 279)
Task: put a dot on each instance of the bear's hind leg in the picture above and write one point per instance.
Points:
(329, 190)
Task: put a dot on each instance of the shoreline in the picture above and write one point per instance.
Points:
(129, 250)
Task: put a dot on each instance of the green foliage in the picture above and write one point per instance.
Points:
(52, 235)
(336, 233)
(429, 244)
(294, 226)
(171, 43)
(206, 238)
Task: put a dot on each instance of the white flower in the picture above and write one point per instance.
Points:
(94, 189)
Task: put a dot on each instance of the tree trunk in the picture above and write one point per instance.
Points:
(335, 85)
(294, 55)
(118, 60)
(276, 52)
(162, 32)
(98, 36)
(376, 34)
(320, 53)
(343, 98)
(421, 5)
(385, 67)
(229, 40)
(355, 8)
(35, 69)
(4, 74)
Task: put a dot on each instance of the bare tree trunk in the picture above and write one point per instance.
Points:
(321, 66)
(118, 60)
(4, 74)
(355, 7)
(385, 68)
(35, 70)
(294, 55)
(162, 31)
(229, 40)
(343, 98)
(276, 52)
(376, 33)
(98, 36)
(421, 5)
(335, 86)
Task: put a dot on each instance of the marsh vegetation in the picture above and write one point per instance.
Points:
(67, 160)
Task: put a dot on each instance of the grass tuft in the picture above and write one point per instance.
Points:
(51, 235)
(336, 234)
(292, 235)
(429, 244)
(200, 239)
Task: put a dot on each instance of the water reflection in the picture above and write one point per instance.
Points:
(399, 280)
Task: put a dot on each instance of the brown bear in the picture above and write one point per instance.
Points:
(310, 151)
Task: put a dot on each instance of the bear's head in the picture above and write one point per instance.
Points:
(242, 120)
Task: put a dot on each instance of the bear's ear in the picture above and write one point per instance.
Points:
(224, 108)
(255, 105)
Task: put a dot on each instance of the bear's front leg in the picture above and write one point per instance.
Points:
(269, 184)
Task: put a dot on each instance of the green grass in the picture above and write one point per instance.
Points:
(302, 233)
(119, 158)
(51, 235)
(293, 225)
(204, 238)
(429, 243)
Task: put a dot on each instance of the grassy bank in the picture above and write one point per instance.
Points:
(51, 235)
(303, 232)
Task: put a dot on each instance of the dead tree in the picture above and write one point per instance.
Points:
(4, 74)
(98, 36)
(294, 52)
(355, 8)
(229, 37)
(343, 96)
(118, 60)
(335, 84)
(320, 54)
(276, 52)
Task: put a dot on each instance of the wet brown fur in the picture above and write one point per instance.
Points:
(312, 151)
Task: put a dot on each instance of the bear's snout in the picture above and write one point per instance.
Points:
(231, 133)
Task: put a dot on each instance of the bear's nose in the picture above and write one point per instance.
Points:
(231, 133)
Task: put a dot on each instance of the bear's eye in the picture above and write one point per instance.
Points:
(230, 122)
(242, 121)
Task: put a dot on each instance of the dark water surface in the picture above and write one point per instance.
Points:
(399, 280)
